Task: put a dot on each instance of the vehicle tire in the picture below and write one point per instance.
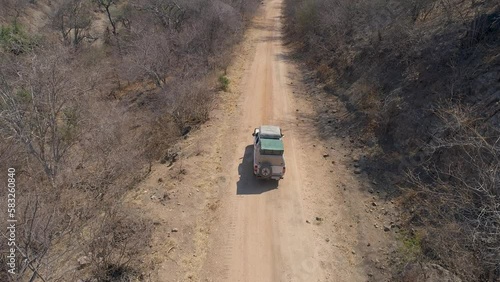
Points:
(266, 170)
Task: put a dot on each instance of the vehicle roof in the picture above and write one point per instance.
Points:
(270, 131)
(272, 144)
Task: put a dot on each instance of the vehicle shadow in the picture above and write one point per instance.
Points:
(248, 184)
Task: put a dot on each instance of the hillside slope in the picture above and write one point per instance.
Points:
(92, 93)
(421, 82)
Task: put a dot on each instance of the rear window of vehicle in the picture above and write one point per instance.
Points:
(271, 152)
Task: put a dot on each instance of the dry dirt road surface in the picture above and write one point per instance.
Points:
(270, 240)
(317, 224)
(269, 231)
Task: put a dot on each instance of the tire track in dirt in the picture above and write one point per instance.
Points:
(306, 228)
(269, 239)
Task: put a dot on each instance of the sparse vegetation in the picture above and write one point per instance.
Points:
(114, 248)
(83, 116)
(411, 248)
(93, 92)
(224, 83)
(418, 77)
(15, 40)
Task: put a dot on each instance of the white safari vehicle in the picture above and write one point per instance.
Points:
(268, 159)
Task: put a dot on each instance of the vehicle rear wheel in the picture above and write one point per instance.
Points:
(266, 170)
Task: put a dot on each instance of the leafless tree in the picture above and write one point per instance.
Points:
(106, 5)
(36, 111)
(151, 57)
(73, 19)
(170, 14)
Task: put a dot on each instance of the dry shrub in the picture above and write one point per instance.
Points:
(458, 198)
(116, 242)
(188, 103)
(163, 134)
(323, 72)
(369, 99)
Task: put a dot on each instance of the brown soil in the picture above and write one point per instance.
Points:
(319, 223)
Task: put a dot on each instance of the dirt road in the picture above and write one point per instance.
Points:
(269, 239)
(318, 224)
